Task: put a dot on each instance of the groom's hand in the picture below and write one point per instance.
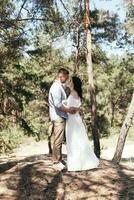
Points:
(73, 110)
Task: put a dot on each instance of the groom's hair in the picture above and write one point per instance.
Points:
(63, 71)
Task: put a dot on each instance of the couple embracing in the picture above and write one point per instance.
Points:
(65, 117)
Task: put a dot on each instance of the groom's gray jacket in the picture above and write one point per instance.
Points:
(56, 96)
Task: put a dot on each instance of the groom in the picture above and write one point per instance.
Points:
(58, 115)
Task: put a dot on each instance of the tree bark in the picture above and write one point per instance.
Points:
(50, 134)
(95, 133)
(113, 112)
(76, 68)
(123, 133)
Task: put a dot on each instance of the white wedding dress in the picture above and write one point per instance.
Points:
(80, 155)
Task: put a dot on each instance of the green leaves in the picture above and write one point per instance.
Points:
(30, 59)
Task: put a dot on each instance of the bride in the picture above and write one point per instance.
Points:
(80, 155)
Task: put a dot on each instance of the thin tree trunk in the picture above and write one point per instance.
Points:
(123, 133)
(113, 112)
(50, 134)
(95, 133)
(76, 69)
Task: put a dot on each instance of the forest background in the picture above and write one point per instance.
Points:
(37, 37)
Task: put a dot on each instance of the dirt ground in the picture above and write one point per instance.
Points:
(33, 178)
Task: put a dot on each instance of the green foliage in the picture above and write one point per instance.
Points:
(13, 136)
(29, 62)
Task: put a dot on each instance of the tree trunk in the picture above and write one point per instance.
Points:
(95, 133)
(50, 134)
(76, 68)
(123, 133)
(113, 112)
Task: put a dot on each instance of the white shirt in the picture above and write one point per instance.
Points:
(56, 96)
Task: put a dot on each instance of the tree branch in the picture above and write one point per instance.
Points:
(23, 19)
(64, 6)
(21, 8)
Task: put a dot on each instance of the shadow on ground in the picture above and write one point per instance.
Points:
(34, 178)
